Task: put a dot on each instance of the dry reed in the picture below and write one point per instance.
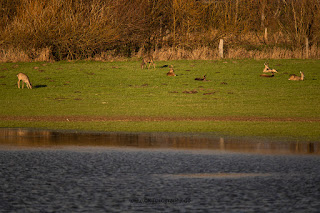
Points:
(105, 30)
(166, 54)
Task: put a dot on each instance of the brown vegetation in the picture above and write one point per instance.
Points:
(42, 30)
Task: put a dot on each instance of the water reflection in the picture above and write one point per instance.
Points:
(16, 137)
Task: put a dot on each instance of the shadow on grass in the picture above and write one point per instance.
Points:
(40, 86)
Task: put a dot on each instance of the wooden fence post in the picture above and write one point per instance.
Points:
(221, 48)
(307, 47)
(266, 34)
(222, 145)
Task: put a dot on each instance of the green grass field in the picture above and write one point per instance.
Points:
(235, 94)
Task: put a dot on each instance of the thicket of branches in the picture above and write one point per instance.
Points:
(77, 29)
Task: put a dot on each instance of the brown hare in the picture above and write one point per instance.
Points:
(201, 79)
(147, 60)
(267, 76)
(171, 72)
(267, 69)
(24, 78)
(294, 77)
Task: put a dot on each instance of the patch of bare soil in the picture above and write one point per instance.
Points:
(145, 118)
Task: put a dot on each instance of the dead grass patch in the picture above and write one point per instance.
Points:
(10, 54)
(13, 55)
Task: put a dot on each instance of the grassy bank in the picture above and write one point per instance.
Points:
(121, 92)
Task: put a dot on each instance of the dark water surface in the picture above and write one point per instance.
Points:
(43, 171)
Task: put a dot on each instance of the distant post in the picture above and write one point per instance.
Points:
(221, 48)
(307, 47)
(266, 34)
(221, 141)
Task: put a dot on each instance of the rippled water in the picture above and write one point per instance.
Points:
(66, 177)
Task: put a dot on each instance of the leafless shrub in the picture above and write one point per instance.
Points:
(113, 30)
(13, 55)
